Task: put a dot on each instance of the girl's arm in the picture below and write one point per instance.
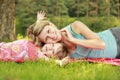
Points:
(92, 39)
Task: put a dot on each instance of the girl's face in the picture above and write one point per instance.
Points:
(53, 50)
(50, 34)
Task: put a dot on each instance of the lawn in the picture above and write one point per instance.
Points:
(41, 70)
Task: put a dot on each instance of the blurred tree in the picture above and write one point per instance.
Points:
(78, 8)
(26, 12)
(118, 7)
(115, 8)
(81, 8)
(7, 27)
(102, 8)
(93, 7)
(71, 5)
(87, 8)
(108, 10)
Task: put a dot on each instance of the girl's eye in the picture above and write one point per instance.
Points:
(53, 51)
(52, 45)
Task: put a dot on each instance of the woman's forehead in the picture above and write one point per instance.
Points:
(47, 27)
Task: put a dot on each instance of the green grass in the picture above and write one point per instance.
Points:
(41, 70)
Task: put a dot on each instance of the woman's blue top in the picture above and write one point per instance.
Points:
(82, 52)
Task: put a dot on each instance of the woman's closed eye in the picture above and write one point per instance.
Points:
(48, 31)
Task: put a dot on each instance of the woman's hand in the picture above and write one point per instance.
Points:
(40, 15)
(66, 35)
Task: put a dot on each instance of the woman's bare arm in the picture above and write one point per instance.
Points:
(92, 39)
(40, 15)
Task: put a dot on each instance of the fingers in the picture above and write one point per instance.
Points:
(40, 15)
(62, 62)
(43, 13)
(63, 30)
(46, 58)
(64, 36)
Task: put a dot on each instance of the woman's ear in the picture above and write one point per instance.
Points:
(49, 23)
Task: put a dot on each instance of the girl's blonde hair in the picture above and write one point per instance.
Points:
(35, 29)
(63, 53)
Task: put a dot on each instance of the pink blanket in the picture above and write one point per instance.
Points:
(111, 61)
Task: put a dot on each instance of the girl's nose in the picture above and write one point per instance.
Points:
(50, 47)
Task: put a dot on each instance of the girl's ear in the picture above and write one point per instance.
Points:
(60, 58)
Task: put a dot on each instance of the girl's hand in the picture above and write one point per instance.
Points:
(63, 62)
(40, 15)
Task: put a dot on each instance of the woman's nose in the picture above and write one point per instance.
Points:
(51, 35)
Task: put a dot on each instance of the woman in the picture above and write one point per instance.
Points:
(86, 42)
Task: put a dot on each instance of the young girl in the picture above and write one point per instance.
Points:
(19, 51)
(55, 50)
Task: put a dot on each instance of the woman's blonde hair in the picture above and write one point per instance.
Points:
(35, 29)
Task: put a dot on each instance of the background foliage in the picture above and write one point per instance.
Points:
(96, 14)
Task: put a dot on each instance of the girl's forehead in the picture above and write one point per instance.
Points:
(57, 44)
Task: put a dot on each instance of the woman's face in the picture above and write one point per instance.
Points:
(53, 50)
(50, 34)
